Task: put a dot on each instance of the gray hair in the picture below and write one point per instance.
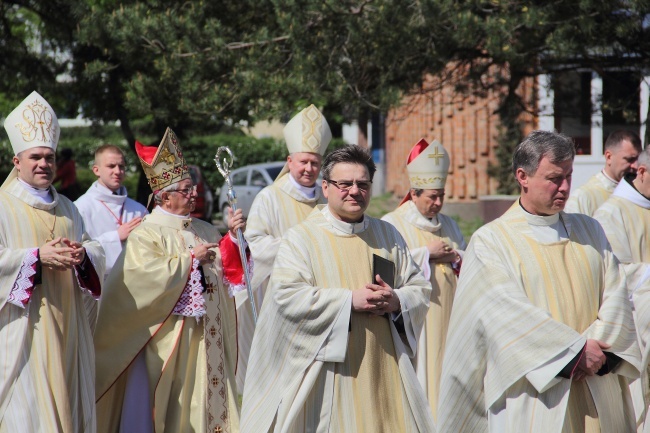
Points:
(157, 196)
(348, 154)
(538, 144)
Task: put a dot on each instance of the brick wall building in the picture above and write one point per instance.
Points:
(467, 127)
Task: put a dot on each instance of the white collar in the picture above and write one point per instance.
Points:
(159, 209)
(306, 191)
(609, 178)
(541, 220)
(342, 226)
(101, 192)
(627, 191)
(547, 228)
(43, 195)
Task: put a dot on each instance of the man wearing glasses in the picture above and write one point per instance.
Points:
(166, 330)
(332, 347)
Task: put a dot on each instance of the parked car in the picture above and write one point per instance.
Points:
(205, 198)
(247, 182)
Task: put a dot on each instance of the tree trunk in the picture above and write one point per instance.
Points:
(362, 121)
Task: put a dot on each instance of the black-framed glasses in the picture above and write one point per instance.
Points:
(185, 191)
(346, 185)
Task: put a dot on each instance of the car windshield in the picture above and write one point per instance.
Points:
(273, 171)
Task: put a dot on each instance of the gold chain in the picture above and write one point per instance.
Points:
(51, 236)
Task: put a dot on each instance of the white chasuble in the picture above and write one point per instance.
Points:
(315, 365)
(522, 307)
(47, 364)
(590, 196)
(189, 361)
(418, 232)
(625, 218)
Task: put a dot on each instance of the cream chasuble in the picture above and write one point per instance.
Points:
(276, 209)
(135, 317)
(47, 362)
(625, 218)
(522, 307)
(590, 196)
(641, 297)
(315, 365)
(418, 232)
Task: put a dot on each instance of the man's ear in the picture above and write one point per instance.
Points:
(16, 162)
(522, 177)
(325, 188)
(608, 156)
(95, 170)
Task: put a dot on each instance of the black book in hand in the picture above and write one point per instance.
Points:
(385, 268)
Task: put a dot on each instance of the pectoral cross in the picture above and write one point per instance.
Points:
(218, 429)
(209, 286)
(437, 155)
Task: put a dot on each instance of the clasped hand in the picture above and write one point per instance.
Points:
(61, 254)
(377, 298)
(441, 252)
(592, 359)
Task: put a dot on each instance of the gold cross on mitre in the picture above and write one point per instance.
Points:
(436, 155)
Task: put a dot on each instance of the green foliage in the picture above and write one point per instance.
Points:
(204, 67)
(358, 54)
(201, 151)
(497, 44)
(468, 226)
(85, 178)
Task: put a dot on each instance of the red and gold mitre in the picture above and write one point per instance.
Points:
(163, 165)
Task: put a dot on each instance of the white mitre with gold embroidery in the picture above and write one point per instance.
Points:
(428, 165)
(32, 124)
(307, 131)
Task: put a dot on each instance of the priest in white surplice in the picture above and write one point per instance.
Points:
(48, 265)
(109, 214)
(277, 208)
(622, 149)
(541, 336)
(332, 347)
(436, 245)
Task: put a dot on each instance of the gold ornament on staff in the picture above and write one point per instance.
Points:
(224, 168)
